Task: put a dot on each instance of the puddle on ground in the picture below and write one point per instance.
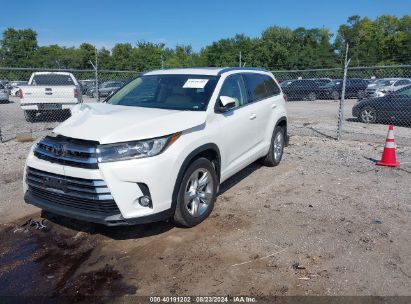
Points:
(49, 263)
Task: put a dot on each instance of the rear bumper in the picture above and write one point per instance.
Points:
(82, 215)
(37, 106)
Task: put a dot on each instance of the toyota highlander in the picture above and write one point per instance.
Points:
(159, 147)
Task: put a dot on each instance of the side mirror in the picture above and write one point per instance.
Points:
(227, 103)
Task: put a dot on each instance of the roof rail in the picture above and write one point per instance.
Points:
(225, 70)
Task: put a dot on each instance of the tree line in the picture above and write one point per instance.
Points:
(383, 41)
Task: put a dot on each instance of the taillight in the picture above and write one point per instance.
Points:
(75, 93)
(19, 93)
(285, 97)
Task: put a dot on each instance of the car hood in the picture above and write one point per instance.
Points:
(107, 123)
(376, 100)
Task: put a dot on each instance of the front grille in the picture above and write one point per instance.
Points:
(70, 192)
(68, 151)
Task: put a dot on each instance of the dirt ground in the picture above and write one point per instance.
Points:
(327, 221)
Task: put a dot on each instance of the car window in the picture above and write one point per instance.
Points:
(52, 80)
(256, 86)
(286, 83)
(402, 82)
(270, 86)
(234, 87)
(404, 92)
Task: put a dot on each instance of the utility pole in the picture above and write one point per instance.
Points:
(239, 61)
(162, 61)
(342, 100)
(95, 66)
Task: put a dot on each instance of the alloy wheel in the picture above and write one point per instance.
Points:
(198, 192)
(278, 146)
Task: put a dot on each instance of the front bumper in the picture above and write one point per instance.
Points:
(123, 179)
(113, 220)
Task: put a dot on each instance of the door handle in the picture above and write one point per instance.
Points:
(273, 106)
(253, 116)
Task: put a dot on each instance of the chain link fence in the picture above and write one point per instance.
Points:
(374, 96)
(34, 101)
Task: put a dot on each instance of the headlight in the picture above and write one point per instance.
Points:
(134, 149)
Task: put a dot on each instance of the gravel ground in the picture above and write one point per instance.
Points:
(327, 221)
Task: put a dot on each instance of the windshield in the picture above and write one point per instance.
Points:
(111, 84)
(176, 92)
(285, 83)
(333, 83)
(383, 82)
(52, 80)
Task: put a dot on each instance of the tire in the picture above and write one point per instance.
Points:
(335, 95)
(361, 94)
(312, 96)
(190, 192)
(275, 154)
(368, 115)
(30, 115)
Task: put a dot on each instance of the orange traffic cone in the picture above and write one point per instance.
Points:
(389, 157)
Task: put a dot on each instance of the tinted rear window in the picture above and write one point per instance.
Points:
(260, 86)
(271, 87)
(52, 80)
(256, 86)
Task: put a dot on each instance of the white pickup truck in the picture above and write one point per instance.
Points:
(49, 92)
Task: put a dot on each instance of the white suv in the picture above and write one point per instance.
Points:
(159, 147)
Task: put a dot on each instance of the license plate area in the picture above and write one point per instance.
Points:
(49, 106)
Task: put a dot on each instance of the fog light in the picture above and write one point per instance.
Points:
(145, 201)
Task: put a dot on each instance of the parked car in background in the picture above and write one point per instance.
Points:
(4, 94)
(321, 81)
(5, 84)
(86, 84)
(285, 83)
(302, 89)
(108, 88)
(159, 148)
(15, 87)
(384, 86)
(52, 92)
(393, 108)
(354, 88)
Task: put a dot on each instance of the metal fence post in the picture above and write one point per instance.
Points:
(342, 100)
(97, 84)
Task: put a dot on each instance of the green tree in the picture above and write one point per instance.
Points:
(18, 47)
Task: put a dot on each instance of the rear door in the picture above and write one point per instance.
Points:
(264, 96)
(237, 124)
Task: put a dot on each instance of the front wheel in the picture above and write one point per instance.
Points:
(197, 193)
(312, 96)
(368, 115)
(275, 154)
(335, 95)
